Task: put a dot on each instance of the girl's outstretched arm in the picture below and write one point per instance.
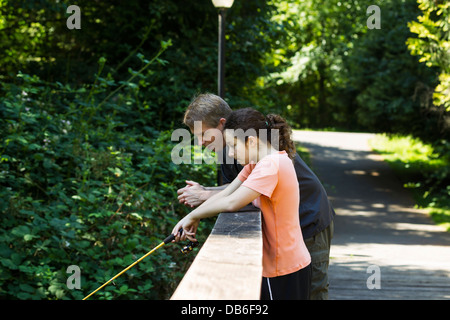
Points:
(231, 199)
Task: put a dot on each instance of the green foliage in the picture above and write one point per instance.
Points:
(120, 30)
(322, 35)
(86, 181)
(341, 74)
(433, 43)
(85, 164)
(386, 77)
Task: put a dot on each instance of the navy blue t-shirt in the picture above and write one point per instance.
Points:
(315, 210)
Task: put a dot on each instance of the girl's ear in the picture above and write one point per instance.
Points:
(252, 141)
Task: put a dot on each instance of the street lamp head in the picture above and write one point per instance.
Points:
(223, 3)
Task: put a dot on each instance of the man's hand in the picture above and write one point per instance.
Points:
(193, 194)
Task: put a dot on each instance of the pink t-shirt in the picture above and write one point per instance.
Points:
(284, 250)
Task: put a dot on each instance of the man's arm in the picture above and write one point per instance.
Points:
(194, 194)
(232, 198)
(219, 194)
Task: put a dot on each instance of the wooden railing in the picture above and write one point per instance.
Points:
(229, 264)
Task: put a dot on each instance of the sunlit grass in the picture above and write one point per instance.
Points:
(406, 149)
(418, 166)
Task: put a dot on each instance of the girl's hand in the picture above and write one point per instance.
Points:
(189, 226)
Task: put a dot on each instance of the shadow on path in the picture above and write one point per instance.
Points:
(376, 224)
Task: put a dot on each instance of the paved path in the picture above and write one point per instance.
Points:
(376, 224)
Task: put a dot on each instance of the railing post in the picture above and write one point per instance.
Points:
(229, 264)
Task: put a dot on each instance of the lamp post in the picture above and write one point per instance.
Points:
(222, 5)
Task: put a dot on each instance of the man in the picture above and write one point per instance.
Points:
(315, 210)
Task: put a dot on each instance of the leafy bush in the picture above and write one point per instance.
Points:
(87, 181)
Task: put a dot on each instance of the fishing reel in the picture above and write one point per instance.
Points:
(189, 247)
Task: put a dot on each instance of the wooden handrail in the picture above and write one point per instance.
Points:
(229, 264)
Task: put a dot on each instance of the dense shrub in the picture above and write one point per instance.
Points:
(85, 182)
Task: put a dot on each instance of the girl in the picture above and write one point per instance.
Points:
(269, 181)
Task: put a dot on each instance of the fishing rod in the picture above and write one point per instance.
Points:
(188, 248)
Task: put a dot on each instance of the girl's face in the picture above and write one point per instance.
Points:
(243, 152)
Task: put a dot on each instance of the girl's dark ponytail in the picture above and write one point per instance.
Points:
(277, 122)
(249, 118)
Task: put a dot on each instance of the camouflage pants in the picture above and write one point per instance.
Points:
(319, 249)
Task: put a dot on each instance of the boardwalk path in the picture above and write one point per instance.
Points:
(376, 224)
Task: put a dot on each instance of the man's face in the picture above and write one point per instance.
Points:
(208, 137)
(243, 152)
